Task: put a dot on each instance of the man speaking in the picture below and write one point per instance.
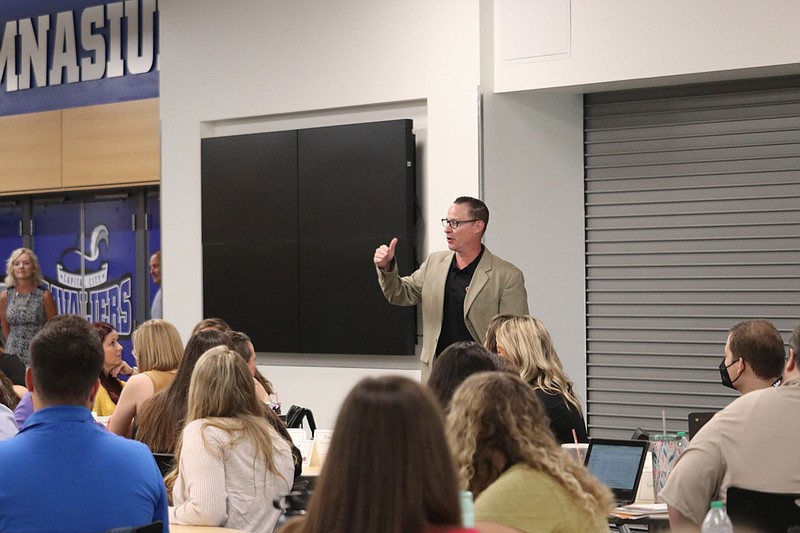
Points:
(461, 289)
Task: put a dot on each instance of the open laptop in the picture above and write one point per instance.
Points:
(618, 464)
(697, 420)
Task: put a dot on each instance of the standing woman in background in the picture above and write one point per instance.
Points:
(525, 344)
(24, 306)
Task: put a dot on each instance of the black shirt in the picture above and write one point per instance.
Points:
(564, 417)
(455, 291)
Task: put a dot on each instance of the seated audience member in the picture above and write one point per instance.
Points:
(521, 478)
(388, 467)
(242, 345)
(230, 463)
(160, 420)
(113, 366)
(24, 409)
(491, 332)
(158, 350)
(754, 356)
(8, 393)
(56, 472)
(750, 444)
(8, 425)
(8, 401)
(211, 323)
(524, 342)
(264, 388)
(455, 364)
(14, 369)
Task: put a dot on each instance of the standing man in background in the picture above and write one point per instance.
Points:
(462, 289)
(156, 310)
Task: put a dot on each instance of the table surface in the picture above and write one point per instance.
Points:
(175, 528)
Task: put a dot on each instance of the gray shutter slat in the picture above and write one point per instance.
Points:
(692, 225)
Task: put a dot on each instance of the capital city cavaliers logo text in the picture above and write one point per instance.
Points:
(89, 293)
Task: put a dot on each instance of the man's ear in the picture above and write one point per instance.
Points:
(93, 392)
(29, 379)
(791, 364)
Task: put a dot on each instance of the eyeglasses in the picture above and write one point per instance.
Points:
(455, 223)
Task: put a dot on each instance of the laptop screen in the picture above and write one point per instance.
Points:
(618, 465)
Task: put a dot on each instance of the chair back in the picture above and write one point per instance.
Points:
(767, 512)
(165, 462)
(155, 527)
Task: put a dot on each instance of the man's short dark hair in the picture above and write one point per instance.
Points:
(477, 209)
(760, 344)
(66, 359)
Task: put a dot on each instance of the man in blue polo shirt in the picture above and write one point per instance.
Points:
(62, 472)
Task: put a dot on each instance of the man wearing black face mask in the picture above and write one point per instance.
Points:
(751, 444)
(754, 356)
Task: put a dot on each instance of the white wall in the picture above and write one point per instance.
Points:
(533, 117)
(629, 43)
(322, 388)
(242, 63)
(533, 157)
(253, 63)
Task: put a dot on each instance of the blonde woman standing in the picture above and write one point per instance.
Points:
(24, 306)
(526, 345)
(231, 463)
(521, 478)
(158, 350)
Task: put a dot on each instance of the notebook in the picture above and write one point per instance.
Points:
(618, 464)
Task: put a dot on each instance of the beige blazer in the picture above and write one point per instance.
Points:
(496, 287)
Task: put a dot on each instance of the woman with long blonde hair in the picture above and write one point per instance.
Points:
(230, 462)
(526, 345)
(521, 478)
(158, 350)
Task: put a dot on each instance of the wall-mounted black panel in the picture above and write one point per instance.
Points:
(249, 187)
(291, 221)
(342, 308)
(359, 178)
(254, 288)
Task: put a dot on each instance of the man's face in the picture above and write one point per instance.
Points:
(728, 353)
(155, 268)
(731, 363)
(467, 235)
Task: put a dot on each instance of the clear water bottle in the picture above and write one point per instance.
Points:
(717, 521)
(467, 509)
(683, 442)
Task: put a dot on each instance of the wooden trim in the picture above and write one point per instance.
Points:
(112, 144)
(30, 151)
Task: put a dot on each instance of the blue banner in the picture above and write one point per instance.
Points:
(57, 54)
(91, 273)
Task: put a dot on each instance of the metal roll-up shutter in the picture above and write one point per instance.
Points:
(692, 225)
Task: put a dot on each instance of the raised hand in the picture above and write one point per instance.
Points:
(384, 255)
